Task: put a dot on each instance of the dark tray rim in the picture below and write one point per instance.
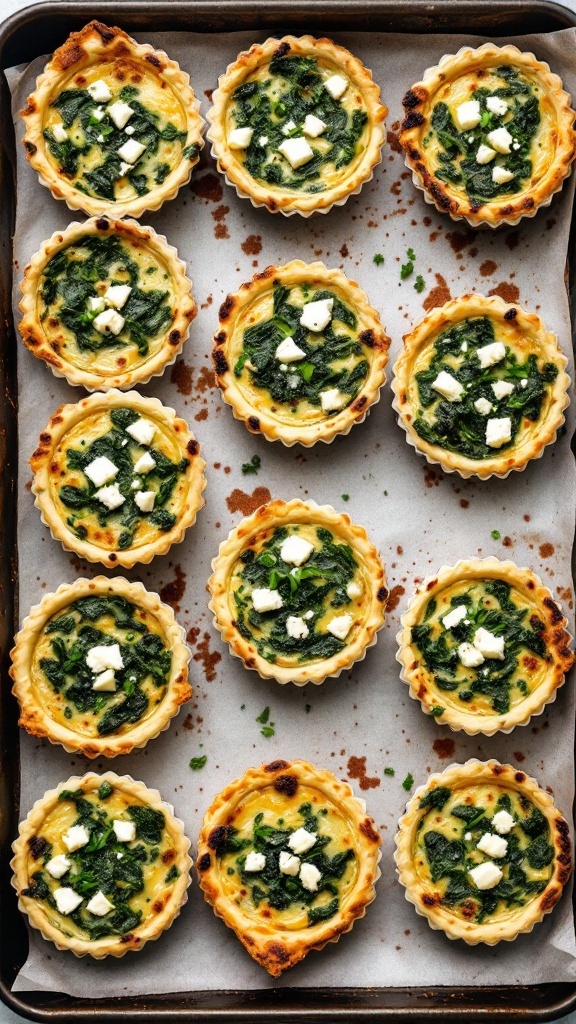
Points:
(18, 36)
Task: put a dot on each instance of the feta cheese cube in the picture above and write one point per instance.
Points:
(265, 600)
(117, 295)
(317, 315)
(120, 113)
(110, 496)
(145, 500)
(500, 140)
(255, 861)
(503, 822)
(483, 406)
(288, 127)
(464, 346)
(485, 154)
(313, 126)
(340, 626)
(296, 627)
(96, 303)
(353, 589)
(296, 150)
(502, 388)
(490, 354)
(99, 91)
(498, 431)
(59, 132)
(99, 905)
(295, 550)
(66, 900)
(145, 464)
(447, 386)
(301, 841)
(131, 151)
(336, 86)
(76, 837)
(289, 352)
(455, 616)
(289, 864)
(467, 115)
(332, 400)
(500, 175)
(104, 656)
(486, 875)
(489, 645)
(125, 831)
(101, 470)
(496, 105)
(58, 865)
(105, 681)
(469, 656)
(309, 876)
(124, 168)
(109, 322)
(493, 846)
(142, 430)
(240, 138)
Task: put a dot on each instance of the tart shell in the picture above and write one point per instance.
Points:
(424, 903)
(184, 310)
(39, 723)
(278, 949)
(261, 420)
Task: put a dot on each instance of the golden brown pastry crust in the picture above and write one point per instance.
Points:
(422, 896)
(61, 361)
(38, 721)
(466, 717)
(282, 513)
(256, 416)
(190, 501)
(527, 332)
(561, 145)
(275, 199)
(152, 927)
(98, 44)
(272, 946)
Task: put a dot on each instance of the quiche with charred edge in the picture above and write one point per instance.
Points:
(488, 135)
(300, 353)
(481, 386)
(288, 857)
(101, 865)
(482, 852)
(298, 592)
(113, 125)
(118, 478)
(106, 304)
(484, 646)
(100, 666)
(297, 125)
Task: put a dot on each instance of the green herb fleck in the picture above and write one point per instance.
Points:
(419, 283)
(378, 259)
(389, 771)
(495, 534)
(436, 711)
(251, 467)
(345, 497)
(196, 763)
(408, 782)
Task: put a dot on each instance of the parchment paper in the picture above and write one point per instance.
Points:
(419, 519)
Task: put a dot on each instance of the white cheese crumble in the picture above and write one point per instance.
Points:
(288, 127)
(455, 616)
(289, 864)
(447, 386)
(503, 822)
(142, 430)
(467, 115)
(98, 113)
(120, 113)
(96, 303)
(308, 615)
(297, 151)
(469, 656)
(101, 470)
(340, 626)
(117, 295)
(125, 831)
(240, 138)
(265, 600)
(500, 175)
(110, 496)
(131, 151)
(58, 865)
(296, 627)
(295, 550)
(353, 589)
(145, 464)
(483, 406)
(502, 388)
(500, 140)
(313, 126)
(59, 132)
(99, 905)
(332, 400)
(289, 352)
(485, 876)
(145, 500)
(496, 105)
(104, 656)
(76, 837)
(336, 86)
(99, 91)
(468, 836)
(498, 431)
(263, 140)
(493, 846)
(105, 681)
(317, 315)
(310, 876)
(490, 354)
(66, 900)
(524, 382)
(301, 841)
(109, 322)
(255, 861)
(489, 645)
(130, 130)
(485, 154)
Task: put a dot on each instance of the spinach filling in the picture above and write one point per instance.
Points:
(124, 452)
(282, 891)
(89, 132)
(144, 656)
(104, 865)
(332, 359)
(73, 276)
(457, 161)
(458, 426)
(318, 585)
(450, 860)
(295, 89)
(493, 679)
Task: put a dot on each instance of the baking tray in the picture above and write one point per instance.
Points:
(39, 29)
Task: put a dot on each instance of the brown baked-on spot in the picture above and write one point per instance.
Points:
(127, 937)
(112, 558)
(106, 34)
(356, 769)
(468, 908)
(555, 613)
(438, 295)
(275, 950)
(174, 337)
(430, 900)
(367, 829)
(254, 423)
(507, 291)
(30, 148)
(168, 856)
(359, 404)
(220, 361)
(519, 776)
(382, 594)
(154, 60)
(286, 784)
(219, 836)
(497, 769)
(564, 858)
(102, 224)
(511, 314)
(276, 766)
(550, 899)
(69, 55)
(412, 120)
(173, 591)
(282, 50)
(37, 846)
(226, 307)
(204, 862)
(411, 100)
(193, 447)
(220, 338)
(367, 337)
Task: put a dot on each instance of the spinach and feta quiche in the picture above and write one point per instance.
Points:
(100, 667)
(106, 304)
(288, 857)
(482, 852)
(297, 125)
(298, 591)
(112, 125)
(101, 865)
(300, 353)
(488, 135)
(481, 386)
(484, 646)
(118, 478)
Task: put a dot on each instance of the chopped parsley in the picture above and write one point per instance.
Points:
(389, 771)
(196, 763)
(345, 497)
(419, 283)
(378, 259)
(408, 782)
(495, 534)
(251, 467)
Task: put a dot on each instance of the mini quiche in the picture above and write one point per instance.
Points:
(488, 135)
(482, 852)
(112, 126)
(484, 646)
(288, 857)
(106, 304)
(298, 592)
(300, 353)
(101, 865)
(297, 125)
(100, 666)
(480, 386)
(118, 478)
